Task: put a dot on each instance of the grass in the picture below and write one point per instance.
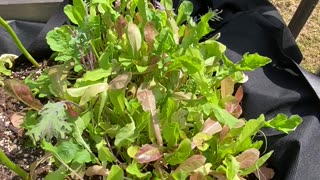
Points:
(309, 38)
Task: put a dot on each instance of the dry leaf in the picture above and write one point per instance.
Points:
(121, 81)
(16, 120)
(150, 33)
(148, 153)
(264, 173)
(248, 158)
(211, 127)
(97, 170)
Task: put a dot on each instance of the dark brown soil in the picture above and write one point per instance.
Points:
(18, 148)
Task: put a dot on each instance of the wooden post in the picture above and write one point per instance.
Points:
(301, 16)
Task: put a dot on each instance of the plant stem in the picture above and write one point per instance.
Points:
(12, 166)
(18, 42)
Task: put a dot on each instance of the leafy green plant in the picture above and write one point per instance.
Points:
(140, 92)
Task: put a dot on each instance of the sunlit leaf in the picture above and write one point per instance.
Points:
(259, 163)
(133, 169)
(97, 170)
(115, 173)
(282, 123)
(134, 37)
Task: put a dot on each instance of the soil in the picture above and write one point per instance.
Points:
(16, 146)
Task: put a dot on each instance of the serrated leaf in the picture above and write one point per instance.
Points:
(52, 123)
(58, 39)
(284, 124)
(180, 154)
(126, 135)
(115, 173)
(189, 165)
(134, 170)
(248, 158)
(184, 11)
(148, 153)
(134, 37)
(251, 62)
(20, 91)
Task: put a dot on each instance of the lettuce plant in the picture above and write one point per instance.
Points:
(141, 92)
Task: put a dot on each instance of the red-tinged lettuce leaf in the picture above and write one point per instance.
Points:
(188, 166)
(233, 108)
(148, 153)
(120, 25)
(258, 164)
(20, 91)
(150, 33)
(211, 127)
(248, 158)
(148, 102)
(239, 94)
(121, 81)
(264, 173)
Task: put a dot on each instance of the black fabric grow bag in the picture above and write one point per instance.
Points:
(280, 87)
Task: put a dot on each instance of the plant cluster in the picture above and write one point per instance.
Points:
(141, 92)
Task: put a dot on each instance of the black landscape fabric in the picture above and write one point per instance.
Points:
(280, 87)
